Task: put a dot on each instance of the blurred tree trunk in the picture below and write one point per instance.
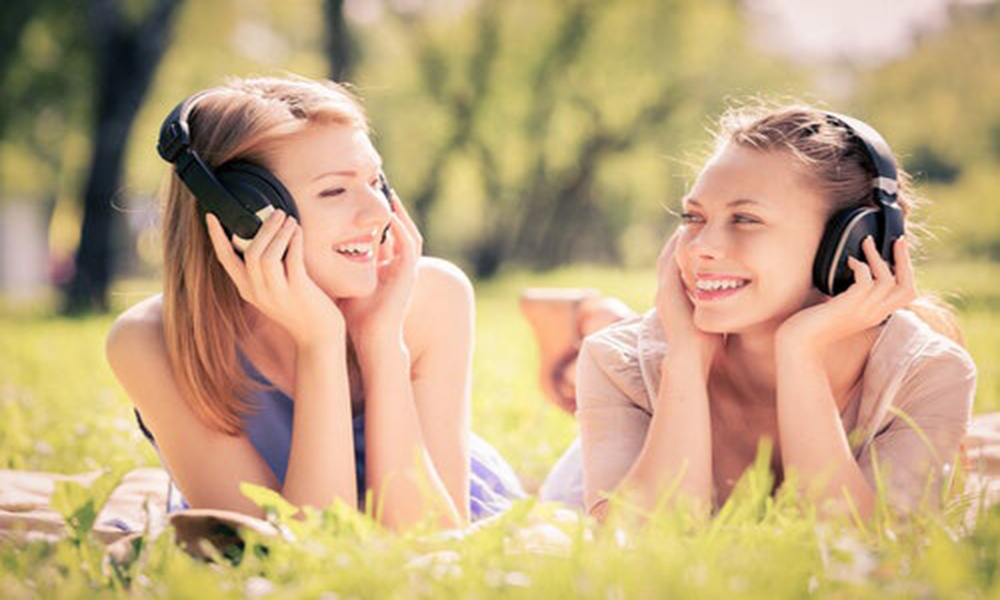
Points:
(338, 45)
(127, 54)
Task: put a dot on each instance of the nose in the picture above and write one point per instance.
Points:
(708, 242)
(373, 209)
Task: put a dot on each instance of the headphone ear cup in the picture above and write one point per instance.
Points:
(843, 236)
(255, 187)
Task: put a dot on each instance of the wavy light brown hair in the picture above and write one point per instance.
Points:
(839, 166)
(203, 314)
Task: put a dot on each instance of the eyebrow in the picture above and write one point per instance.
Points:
(342, 173)
(731, 203)
(335, 174)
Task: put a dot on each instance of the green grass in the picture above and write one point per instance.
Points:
(61, 410)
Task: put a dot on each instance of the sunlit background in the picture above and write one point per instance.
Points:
(523, 133)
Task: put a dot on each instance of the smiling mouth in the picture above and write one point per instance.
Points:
(357, 251)
(717, 289)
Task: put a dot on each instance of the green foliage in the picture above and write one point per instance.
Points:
(79, 504)
(536, 132)
(937, 107)
(271, 501)
(942, 96)
(44, 100)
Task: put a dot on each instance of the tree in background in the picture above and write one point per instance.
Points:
(128, 48)
(547, 110)
(939, 106)
(46, 70)
(338, 45)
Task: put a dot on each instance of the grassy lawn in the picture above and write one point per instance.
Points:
(61, 410)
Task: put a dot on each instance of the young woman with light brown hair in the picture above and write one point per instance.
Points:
(321, 355)
(776, 319)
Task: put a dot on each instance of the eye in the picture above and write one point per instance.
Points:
(689, 218)
(331, 192)
(744, 219)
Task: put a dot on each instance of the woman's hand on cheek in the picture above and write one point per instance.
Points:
(676, 311)
(379, 317)
(875, 294)
(272, 277)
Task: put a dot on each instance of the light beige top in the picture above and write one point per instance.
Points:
(911, 370)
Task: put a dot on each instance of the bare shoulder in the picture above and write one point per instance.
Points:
(135, 340)
(206, 463)
(442, 289)
(439, 278)
(443, 304)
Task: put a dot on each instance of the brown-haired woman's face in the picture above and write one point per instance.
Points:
(332, 171)
(750, 229)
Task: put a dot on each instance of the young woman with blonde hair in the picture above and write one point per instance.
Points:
(303, 344)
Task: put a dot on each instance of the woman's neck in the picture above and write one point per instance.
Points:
(748, 364)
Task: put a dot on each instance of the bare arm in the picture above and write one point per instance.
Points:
(416, 384)
(416, 432)
(442, 326)
(321, 459)
(813, 442)
(677, 454)
(812, 437)
(401, 472)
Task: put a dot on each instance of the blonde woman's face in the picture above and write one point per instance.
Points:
(750, 229)
(332, 171)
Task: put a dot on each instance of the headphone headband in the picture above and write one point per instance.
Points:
(175, 133)
(240, 194)
(877, 149)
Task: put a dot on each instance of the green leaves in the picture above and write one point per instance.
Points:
(80, 503)
(273, 503)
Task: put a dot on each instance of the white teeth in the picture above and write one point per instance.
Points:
(355, 249)
(711, 285)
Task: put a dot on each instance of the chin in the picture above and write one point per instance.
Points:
(730, 322)
(351, 289)
(715, 324)
(711, 321)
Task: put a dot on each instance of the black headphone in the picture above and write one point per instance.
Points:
(241, 194)
(848, 228)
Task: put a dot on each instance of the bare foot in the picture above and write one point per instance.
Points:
(560, 318)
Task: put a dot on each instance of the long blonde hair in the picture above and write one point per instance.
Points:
(203, 314)
(840, 168)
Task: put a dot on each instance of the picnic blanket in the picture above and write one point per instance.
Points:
(981, 458)
(138, 504)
